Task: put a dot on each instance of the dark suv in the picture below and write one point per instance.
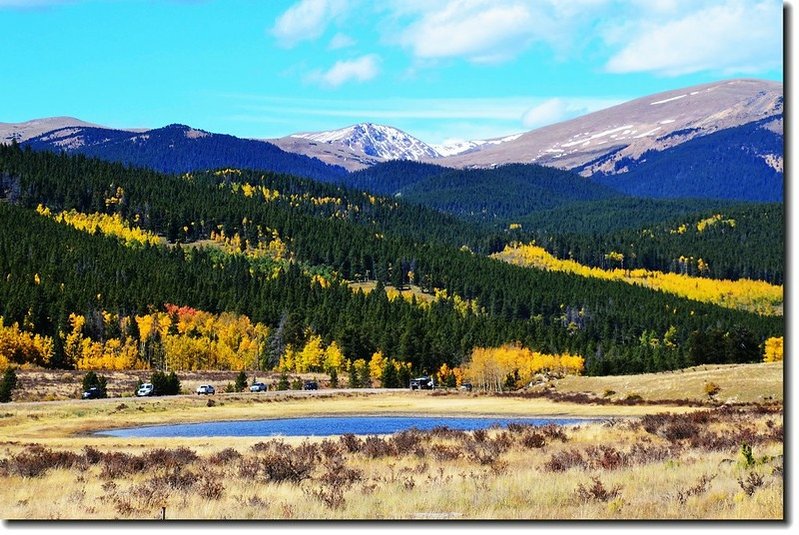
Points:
(94, 393)
(310, 385)
(422, 383)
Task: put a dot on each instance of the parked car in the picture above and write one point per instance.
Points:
(258, 387)
(146, 389)
(205, 389)
(310, 385)
(93, 393)
(467, 387)
(422, 383)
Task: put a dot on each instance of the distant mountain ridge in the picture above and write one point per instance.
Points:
(720, 140)
(21, 132)
(179, 149)
(654, 122)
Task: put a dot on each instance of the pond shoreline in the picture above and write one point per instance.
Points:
(336, 425)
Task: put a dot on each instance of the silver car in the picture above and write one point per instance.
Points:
(205, 389)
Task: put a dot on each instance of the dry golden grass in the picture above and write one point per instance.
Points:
(515, 484)
(739, 383)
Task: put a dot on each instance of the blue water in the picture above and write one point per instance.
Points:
(326, 426)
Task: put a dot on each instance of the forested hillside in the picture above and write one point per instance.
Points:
(742, 163)
(179, 149)
(508, 191)
(726, 242)
(612, 215)
(50, 270)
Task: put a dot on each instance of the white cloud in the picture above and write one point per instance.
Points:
(731, 37)
(548, 112)
(481, 30)
(360, 69)
(339, 41)
(306, 20)
(555, 110)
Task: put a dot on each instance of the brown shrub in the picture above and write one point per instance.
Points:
(679, 430)
(596, 491)
(554, 432)
(488, 451)
(374, 447)
(515, 427)
(169, 459)
(408, 442)
(249, 468)
(699, 488)
(92, 455)
(35, 460)
(209, 488)
(330, 450)
(563, 460)
(648, 454)
(441, 452)
(175, 478)
(352, 443)
(752, 482)
(605, 458)
(224, 456)
(533, 440)
(442, 431)
(117, 464)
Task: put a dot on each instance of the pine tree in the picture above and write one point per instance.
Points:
(241, 382)
(389, 379)
(7, 384)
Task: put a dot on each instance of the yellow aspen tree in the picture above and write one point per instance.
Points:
(311, 358)
(376, 364)
(334, 358)
(773, 348)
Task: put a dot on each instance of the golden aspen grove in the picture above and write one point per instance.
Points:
(752, 295)
(511, 366)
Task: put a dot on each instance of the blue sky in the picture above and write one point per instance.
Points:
(438, 69)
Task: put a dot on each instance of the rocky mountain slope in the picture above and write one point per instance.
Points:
(358, 146)
(594, 143)
(30, 129)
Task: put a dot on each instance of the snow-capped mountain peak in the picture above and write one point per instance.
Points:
(377, 141)
(451, 148)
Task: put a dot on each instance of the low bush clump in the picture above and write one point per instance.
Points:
(596, 491)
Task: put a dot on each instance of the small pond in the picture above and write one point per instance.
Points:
(326, 426)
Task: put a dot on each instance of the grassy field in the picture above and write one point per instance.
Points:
(407, 292)
(634, 461)
(739, 383)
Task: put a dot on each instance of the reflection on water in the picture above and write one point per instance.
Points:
(326, 426)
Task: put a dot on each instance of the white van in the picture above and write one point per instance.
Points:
(145, 390)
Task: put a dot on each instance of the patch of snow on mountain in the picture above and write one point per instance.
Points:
(455, 147)
(459, 147)
(667, 100)
(375, 140)
(649, 133)
(584, 142)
